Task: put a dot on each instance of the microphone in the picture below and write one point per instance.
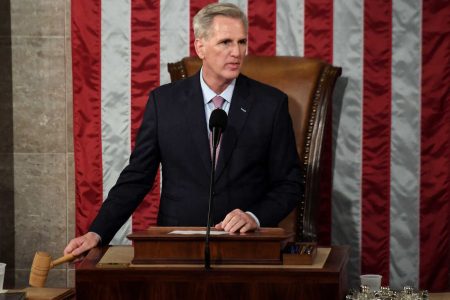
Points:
(217, 124)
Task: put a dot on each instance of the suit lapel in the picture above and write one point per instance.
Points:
(237, 116)
(195, 116)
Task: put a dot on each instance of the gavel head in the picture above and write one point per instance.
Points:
(39, 269)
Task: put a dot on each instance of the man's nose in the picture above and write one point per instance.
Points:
(235, 51)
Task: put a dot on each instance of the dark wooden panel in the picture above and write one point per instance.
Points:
(240, 282)
(157, 245)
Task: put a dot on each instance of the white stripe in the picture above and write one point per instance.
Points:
(347, 131)
(405, 144)
(242, 4)
(115, 98)
(174, 28)
(290, 27)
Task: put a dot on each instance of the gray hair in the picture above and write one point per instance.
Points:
(204, 18)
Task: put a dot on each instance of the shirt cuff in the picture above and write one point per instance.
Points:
(254, 217)
(98, 236)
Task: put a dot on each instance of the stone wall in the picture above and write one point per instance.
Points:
(36, 147)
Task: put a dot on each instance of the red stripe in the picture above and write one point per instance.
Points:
(144, 77)
(319, 43)
(195, 6)
(319, 29)
(376, 138)
(262, 30)
(86, 63)
(435, 145)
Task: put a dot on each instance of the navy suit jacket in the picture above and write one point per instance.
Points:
(257, 169)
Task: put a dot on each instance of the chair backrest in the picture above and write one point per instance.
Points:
(309, 84)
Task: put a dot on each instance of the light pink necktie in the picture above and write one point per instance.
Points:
(218, 102)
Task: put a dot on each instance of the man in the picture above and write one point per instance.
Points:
(258, 176)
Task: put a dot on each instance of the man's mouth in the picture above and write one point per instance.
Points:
(234, 64)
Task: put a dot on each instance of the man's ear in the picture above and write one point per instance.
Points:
(199, 48)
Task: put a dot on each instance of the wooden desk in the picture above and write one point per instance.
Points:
(34, 293)
(439, 296)
(194, 282)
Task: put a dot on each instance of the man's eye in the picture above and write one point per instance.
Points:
(226, 42)
(243, 42)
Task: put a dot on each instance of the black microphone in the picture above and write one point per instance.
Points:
(217, 124)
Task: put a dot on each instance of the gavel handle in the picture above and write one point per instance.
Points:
(61, 260)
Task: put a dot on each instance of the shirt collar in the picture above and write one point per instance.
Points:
(208, 93)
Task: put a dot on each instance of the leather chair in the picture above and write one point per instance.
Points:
(309, 84)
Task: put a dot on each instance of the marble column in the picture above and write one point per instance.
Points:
(36, 149)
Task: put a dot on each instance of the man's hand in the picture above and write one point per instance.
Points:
(237, 220)
(82, 244)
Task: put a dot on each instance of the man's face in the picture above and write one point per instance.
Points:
(222, 51)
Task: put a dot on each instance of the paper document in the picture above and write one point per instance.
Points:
(202, 232)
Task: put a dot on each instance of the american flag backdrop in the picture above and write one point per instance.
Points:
(386, 182)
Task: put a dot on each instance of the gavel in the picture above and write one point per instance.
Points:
(42, 263)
